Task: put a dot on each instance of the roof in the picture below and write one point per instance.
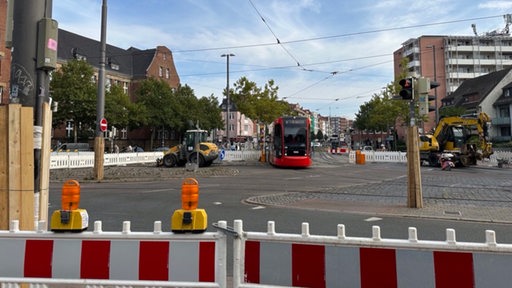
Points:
(132, 61)
(71, 45)
(472, 91)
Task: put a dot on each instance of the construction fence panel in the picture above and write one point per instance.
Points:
(154, 259)
(304, 260)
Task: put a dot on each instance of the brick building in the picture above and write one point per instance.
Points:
(125, 67)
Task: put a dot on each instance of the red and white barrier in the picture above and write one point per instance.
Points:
(157, 256)
(326, 261)
(165, 259)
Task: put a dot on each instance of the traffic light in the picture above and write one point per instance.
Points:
(424, 86)
(407, 88)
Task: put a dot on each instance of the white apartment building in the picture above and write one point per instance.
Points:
(450, 60)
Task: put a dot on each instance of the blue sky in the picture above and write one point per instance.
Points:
(332, 55)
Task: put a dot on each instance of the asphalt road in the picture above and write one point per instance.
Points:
(331, 192)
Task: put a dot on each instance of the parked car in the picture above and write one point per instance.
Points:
(72, 147)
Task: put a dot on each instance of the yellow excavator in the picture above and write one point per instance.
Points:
(465, 137)
(194, 149)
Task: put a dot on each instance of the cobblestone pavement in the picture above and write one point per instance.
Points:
(480, 193)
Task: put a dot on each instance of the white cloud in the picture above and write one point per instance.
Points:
(343, 35)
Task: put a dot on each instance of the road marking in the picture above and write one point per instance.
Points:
(372, 219)
(258, 207)
(217, 203)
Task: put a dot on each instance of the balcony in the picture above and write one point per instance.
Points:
(464, 75)
(501, 121)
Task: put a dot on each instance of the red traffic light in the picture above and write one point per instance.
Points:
(406, 91)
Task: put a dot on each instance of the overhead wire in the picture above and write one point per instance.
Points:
(338, 35)
(275, 36)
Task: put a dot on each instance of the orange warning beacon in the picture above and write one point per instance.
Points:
(70, 217)
(189, 218)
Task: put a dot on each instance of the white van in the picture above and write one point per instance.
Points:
(72, 147)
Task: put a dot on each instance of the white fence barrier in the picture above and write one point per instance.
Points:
(59, 160)
(242, 155)
(86, 159)
(401, 157)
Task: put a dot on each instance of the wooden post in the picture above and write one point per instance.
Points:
(99, 154)
(17, 176)
(414, 193)
(45, 163)
(4, 170)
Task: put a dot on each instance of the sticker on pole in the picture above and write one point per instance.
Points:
(103, 124)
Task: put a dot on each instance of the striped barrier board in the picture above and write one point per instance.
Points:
(306, 265)
(114, 256)
(108, 259)
(304, 260)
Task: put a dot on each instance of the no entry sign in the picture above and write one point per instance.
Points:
(103, 125)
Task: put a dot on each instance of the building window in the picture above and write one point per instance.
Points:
(160, 71)
(124, 133)
(504, 112)
(114, 66)
(125, 87)
(167, 73)
(108, 85)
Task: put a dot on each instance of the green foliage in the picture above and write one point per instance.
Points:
(381, 112)
(73, 88)
(177, 109)
(209, 115)
(259, 104)
(156, 98)
(448, 111)
(120, 111)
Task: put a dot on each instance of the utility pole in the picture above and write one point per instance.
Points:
(34, 56)
(99, 140)
(227, 93)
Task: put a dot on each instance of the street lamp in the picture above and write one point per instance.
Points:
(435, 80)
(227, 93)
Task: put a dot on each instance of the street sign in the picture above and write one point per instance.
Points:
(103, 125)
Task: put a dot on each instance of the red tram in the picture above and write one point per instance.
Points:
(290, 143)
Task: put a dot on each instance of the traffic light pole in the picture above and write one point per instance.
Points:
(410, 93)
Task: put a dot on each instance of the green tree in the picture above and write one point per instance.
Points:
(156, 96)
(448, 111)
(259, 104)
(73, 88)
(192, 111)
(210, 113)
(120, 111)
